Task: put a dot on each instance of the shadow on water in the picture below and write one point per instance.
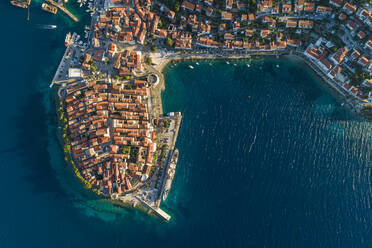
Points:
(32, 138)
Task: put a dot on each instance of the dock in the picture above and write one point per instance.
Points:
(63, 9)
(158, 211)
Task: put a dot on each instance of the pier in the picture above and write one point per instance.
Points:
(63, 9)
(158, 211)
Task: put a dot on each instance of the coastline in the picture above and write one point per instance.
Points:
(155, 107)
(347, 99)
(136, 205)
(156, 91)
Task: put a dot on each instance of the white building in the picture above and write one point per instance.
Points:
(75, 73)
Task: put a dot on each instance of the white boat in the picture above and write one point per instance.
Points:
(46, 26)
(248, 65)
(197, 63)
(68, 39)
(227, 62)
(191, 67)
(234, 64)
(170, 174)
(277, 66)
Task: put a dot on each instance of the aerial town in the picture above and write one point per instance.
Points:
(115, 134)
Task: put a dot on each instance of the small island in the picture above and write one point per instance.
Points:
(115, 135)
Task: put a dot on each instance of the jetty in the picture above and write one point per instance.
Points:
(63, 9)
(158, 211)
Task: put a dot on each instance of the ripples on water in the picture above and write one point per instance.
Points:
(267, 159)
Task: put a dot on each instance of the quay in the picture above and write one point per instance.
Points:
(59, 69)
(177, 117)
(158, 211)
(63, 9)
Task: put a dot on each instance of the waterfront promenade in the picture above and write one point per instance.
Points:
(60, 75)
(160, 62)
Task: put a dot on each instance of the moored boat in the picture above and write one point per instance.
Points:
(68, 40)
(49, 8)
(21, 4)
(170, 174)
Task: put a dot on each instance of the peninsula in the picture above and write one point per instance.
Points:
(115, 134)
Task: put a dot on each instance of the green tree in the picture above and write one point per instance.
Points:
(127, 77)
(153, 48)
(126, 150)
(177, 7)
(148, 60)
(166, 123)
(93, 68)
(169, 42)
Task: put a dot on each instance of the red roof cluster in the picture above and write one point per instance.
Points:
(105, 122)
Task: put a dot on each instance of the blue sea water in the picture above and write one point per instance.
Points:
(268, 156)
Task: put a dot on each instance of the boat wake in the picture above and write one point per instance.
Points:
(43, 26)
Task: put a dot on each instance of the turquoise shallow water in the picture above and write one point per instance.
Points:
(268, 157)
